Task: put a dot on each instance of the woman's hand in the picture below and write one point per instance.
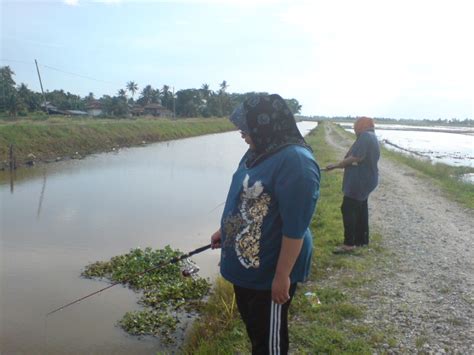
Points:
(216, 239)
(280, 289)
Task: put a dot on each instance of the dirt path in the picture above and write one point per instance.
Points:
(425, 292)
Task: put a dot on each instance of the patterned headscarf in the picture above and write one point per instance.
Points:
(270, 124)
(363, 124)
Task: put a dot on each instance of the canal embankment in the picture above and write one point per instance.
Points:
(29, 142)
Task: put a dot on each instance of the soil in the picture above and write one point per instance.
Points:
(422, 292)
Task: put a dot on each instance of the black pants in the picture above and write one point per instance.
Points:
(355, 215)
(266, 321)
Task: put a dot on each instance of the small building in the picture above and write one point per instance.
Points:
(94, 108)
(51, 109)
(157, 110)
(76, 113)
(136, 111)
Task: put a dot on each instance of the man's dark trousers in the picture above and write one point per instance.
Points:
(355, 215)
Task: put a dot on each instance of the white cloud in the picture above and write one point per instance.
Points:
(146, 42)
(216, 2)
(367, 54)
(71, 2)
(109, 2)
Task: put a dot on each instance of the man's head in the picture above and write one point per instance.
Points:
(363, 124)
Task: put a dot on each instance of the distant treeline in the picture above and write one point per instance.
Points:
(19, 100)
(407, 121)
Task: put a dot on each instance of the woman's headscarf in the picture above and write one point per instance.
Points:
(363, 124)
(270, 124)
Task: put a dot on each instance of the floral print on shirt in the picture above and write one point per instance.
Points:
(243, 230)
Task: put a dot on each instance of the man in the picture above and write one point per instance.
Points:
(360, 179)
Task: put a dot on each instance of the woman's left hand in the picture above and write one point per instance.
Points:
(281, 289)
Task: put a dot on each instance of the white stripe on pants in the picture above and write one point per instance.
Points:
(275, 327)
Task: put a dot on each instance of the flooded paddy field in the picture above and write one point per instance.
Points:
(450, 145)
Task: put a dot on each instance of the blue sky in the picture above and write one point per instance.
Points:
(401, 59)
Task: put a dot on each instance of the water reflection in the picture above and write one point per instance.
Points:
(40, 203)
(12, 180)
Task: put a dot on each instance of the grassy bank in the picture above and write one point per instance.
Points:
(330, 328)
(63, 137)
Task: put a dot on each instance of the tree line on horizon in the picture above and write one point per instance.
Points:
(20, 101)
(387, 120)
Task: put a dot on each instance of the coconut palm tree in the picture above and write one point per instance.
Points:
(166, 97)
(205, 90)
(122, 93)
(7, 88)
(147, 95)
(223, 87)
(132, 87)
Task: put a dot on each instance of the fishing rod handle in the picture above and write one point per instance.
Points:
(199, 250)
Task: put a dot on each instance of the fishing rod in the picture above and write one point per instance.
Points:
(160, 265)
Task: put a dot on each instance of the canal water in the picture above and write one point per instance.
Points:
(57, 218)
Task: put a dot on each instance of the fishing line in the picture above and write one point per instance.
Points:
(219, 205)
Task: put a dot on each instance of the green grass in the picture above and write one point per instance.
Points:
(219, 329)
(60, 137)
(329, 328)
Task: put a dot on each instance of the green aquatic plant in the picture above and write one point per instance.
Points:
(165, 292)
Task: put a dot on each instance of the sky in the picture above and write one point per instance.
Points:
(378, 58)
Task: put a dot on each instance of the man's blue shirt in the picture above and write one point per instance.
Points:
(361, 179)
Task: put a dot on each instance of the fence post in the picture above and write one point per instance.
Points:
(12, 158)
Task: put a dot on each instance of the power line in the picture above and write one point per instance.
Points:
(78, 75)
(60, 70)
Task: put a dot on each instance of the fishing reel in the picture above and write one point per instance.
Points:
(189, 268)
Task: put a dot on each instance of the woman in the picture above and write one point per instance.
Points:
(264, 236)
(360, 179)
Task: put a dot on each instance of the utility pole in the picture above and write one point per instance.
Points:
(42, 91)
(174, 106)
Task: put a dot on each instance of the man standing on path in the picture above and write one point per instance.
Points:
(360, 179)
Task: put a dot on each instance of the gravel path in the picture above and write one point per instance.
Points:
(425, 291)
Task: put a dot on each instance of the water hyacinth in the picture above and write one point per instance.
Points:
(165, 292)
